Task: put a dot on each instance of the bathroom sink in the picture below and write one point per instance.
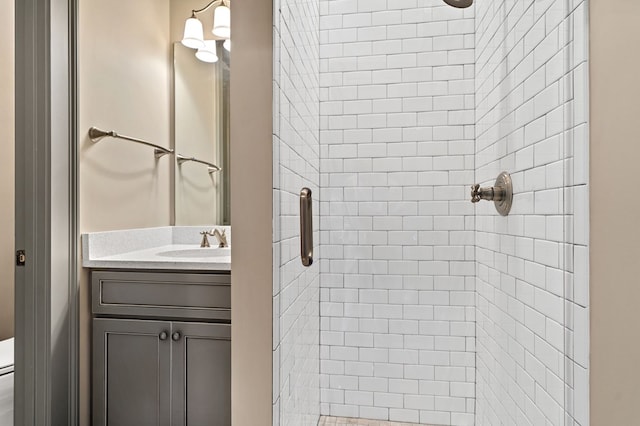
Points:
(207, 252)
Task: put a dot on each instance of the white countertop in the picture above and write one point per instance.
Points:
(170, 247)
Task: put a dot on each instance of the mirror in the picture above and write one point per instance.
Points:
(201, 134)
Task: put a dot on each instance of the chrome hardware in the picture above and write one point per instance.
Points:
(212, 168)
(489, 194)
(501, 193)
(221, 237)
(176, 336)
(213, 3)
(163, 335)
(21, 258)
(460, 4)
(205, 240)
(96, 135)
(306, 227)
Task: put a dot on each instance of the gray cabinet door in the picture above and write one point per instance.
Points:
(131, 372)
(201, 374)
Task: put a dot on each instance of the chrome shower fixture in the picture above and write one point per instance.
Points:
(461, 4)
(501, 193)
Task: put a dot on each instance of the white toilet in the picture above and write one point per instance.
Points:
(6, 382)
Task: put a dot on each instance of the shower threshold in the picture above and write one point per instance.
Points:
(349, 421)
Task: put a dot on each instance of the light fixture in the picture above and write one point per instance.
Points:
(222, 22)
(193, 34)
(207, 53)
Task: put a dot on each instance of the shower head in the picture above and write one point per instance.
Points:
(459, 3)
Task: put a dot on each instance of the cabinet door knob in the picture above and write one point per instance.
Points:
(163, 335)
(176, 336)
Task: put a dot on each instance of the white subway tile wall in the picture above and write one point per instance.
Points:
(296, 149)
(431, 310)
(397, 230)
(532, 266)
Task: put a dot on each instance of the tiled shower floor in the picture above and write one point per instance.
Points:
(346, 421)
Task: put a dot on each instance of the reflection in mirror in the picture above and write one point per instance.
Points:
(201, 113)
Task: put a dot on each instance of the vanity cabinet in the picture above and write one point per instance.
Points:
(164, 359)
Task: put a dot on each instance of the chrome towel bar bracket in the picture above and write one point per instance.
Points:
(212, 168)
(96, 135)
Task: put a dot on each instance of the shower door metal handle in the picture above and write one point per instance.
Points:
(306, 227)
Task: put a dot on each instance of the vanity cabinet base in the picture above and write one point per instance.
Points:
(152, 363)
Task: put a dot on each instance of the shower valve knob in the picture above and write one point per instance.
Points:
(475, 193)
(489, 194)
(501, 193)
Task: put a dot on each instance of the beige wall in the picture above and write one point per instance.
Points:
(615, 212)
(124, 78)
(6, 168)
(251, 212)
(124, 85)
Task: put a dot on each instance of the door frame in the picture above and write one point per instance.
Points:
(46, 296)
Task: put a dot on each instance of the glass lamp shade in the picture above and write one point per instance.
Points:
(193, 34)
(222, 22)
(227, 45)
(207, 53)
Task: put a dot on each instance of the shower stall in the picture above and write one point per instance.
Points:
(420, 306)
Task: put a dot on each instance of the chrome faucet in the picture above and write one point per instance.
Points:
(221, 237)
